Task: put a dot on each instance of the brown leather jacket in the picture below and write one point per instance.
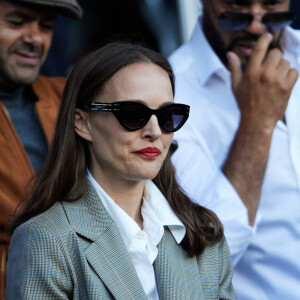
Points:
(15, 167)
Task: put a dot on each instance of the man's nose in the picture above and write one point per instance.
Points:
(256, 26)
(32, 34)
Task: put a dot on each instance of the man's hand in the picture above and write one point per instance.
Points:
(264, 89)
(262, 92)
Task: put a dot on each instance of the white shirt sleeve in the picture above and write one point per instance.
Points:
(206, 184)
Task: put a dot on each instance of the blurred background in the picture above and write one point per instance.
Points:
(161, 24)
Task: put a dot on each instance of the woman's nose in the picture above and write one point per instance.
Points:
(152, 129)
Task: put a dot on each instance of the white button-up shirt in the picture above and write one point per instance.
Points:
(142, 244)
(266, 256)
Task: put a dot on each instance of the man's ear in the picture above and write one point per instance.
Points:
(82, 124)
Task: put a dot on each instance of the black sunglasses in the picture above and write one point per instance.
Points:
(275, 21)
(135, 115)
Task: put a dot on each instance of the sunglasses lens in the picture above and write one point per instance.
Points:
(278, 21)
(132, 115)
(234, 21)
(172, 117)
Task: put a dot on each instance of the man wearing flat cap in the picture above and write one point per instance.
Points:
(28, 101)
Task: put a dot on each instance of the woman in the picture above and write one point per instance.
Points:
(97, 226)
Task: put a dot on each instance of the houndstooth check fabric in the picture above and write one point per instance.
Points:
(75, 251)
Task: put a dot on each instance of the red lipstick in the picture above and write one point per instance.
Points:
(149, 152)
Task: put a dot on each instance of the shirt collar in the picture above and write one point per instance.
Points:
(290, 44)
(156, 213)
(127, 227)
(207, 59)
(155, 204)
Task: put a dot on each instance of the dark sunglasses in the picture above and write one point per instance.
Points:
(135, 115)
(275, 21)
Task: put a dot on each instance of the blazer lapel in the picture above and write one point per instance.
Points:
(106, 251)
(177, 276)
(115, 268)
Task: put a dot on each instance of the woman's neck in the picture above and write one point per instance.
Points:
(126, 194)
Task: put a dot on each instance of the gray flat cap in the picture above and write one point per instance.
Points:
(68, 8)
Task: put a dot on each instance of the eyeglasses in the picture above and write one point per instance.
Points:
(275, 21)
(135, 115)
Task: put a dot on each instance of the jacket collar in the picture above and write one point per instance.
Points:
(48, 91)
(87, 216)
(175, 273)
(89, 219)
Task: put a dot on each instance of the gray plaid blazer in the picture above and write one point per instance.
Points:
(75, 251)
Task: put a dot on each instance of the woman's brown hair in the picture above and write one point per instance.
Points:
(63, 176)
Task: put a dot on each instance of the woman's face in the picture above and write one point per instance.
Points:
(117, 153)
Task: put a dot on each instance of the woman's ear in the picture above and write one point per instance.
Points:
(82, 124)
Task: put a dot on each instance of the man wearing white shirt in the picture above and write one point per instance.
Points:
(239, 152)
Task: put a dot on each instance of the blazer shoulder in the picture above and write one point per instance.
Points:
(52, 221)
(216, 260)
(215, 257)
(39, 253)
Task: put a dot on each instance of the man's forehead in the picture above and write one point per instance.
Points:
(28, 10)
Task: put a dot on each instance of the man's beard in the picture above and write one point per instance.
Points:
(219, 46)
(248, 37)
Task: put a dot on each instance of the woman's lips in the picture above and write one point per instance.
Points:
(149, 152)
